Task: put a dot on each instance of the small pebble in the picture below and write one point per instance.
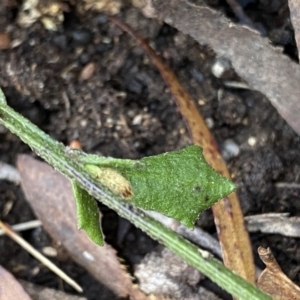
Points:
(209, 122)
(61, 41)
(49, 251)
(220, 66)
(230, 149)
(4, 41)
(101, 19)
(106, 40)
(197, 75)
(82, 36)
(87, 71)
(137, 120)
(84, 58)
(252, 141)
(83, 123)
(35, 271)
(201, 102)
(15, 43)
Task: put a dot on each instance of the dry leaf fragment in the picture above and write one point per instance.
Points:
(273, 281)
(10, 289)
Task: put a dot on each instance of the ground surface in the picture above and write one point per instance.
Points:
(125, 110)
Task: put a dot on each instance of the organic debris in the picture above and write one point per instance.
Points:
(273, 281)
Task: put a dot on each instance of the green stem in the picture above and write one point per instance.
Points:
(56, 155)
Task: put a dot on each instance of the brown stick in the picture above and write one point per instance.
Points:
(234, 239)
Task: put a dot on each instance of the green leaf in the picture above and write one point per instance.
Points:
(178, 184)
(87, 214)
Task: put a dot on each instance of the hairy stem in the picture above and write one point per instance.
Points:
(56, 155)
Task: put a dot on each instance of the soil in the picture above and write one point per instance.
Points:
(124, 109)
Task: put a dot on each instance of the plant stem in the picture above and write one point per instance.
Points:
(56, 155)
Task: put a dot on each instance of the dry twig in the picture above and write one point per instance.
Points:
(24, 226)
(45, 261)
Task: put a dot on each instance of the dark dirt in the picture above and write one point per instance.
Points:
(125, 110)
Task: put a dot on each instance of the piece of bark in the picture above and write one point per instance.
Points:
(273, 281)
(37, 292)
(264, 67)
(50, 195)
(294, 6)
(10, 288)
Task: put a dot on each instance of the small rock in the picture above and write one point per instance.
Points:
(61, 41)
(230, 149)
(87, 72)
(137, 120)
(49, 251)
(100, 19)
(209, 122)
(82, 36)
(220, 67)
(102, 47)
(84, 58)
(106, 40)
(197, 75)
(252, 141)
(83, 123)
(4, 41)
